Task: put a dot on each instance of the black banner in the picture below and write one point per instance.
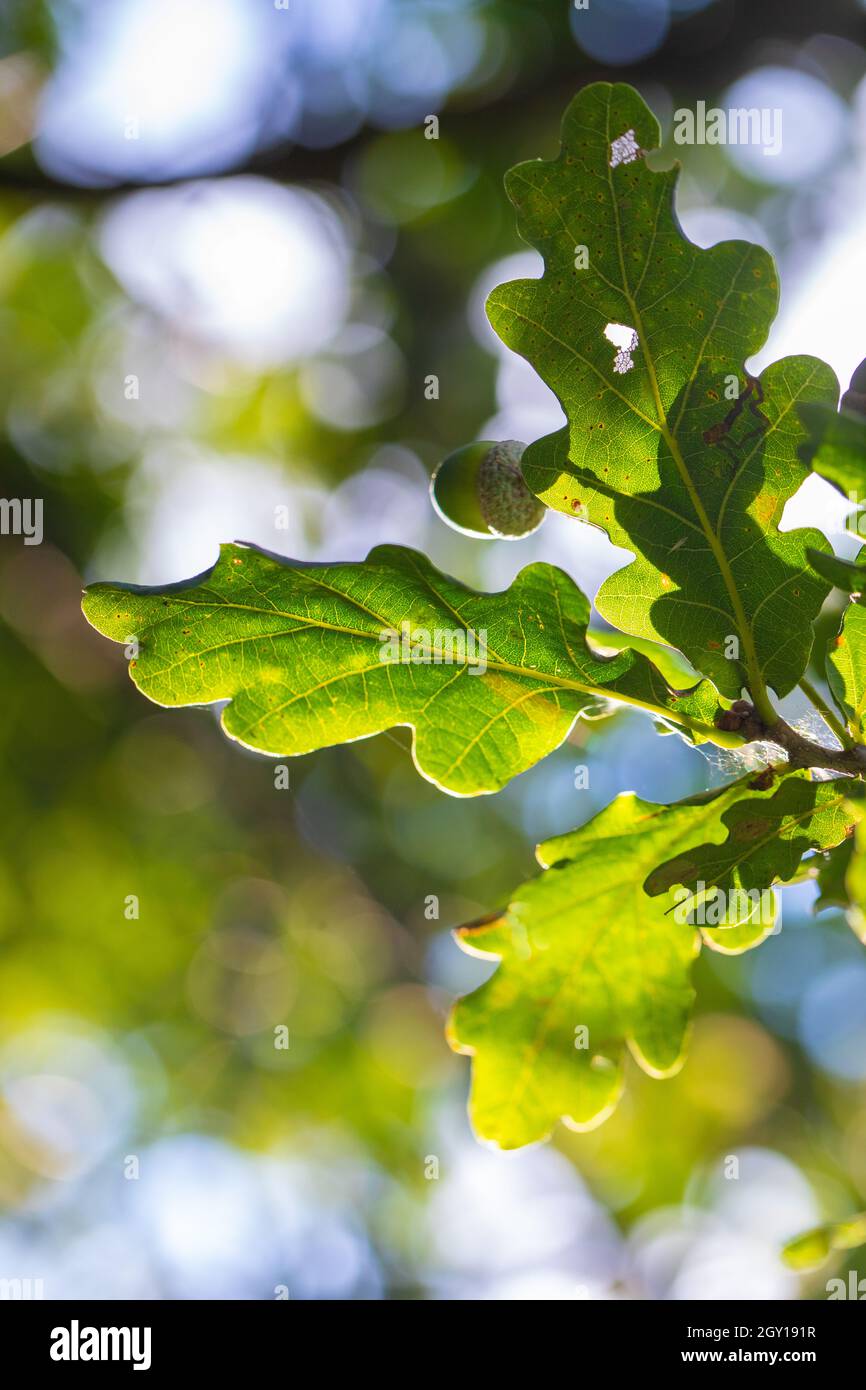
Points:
(152, 1339)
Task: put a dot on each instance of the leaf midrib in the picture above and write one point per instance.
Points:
(496, 665)
(756, 679)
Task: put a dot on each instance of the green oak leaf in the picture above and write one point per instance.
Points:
(831, 876)
(766, 838)
(855, 879)
(814, 1247)
(842, 874)
(679, 673)
(846, 665)
(848, 575)
(584, 946)
(313, 655)
(835, 445)
(643, 337)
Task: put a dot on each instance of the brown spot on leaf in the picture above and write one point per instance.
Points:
(751, 829)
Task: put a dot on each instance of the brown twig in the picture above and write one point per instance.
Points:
(802, 752)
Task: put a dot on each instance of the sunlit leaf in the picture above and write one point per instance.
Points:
(811, 1249)
(313, 655)
(848, 575)
(670, 446)
(832, 871)
(846, 666)
(679, 673)
(836, 441)
(584, 947)
(766, 837)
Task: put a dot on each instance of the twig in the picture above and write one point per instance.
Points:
(802, 752)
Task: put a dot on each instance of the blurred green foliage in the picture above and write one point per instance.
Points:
(308, 907)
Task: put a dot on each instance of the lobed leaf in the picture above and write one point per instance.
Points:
(766, 838)
(586, 946)
(656, 452)
(313, 655)
(581, 947)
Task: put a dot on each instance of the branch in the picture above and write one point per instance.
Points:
(743, 718)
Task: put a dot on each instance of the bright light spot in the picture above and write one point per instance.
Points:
(555, 1236)
(413, 58)
(825, 314)
(66, 1097)
(620, 31)
(694, 1253)
(768, 1199)
(179, 1204)
(706, 226)
(387, 500)
(149, 87)
(816, 503)
(812, 124)
(527, 406)
(273, 1225)
(185, 501)
(257, 270)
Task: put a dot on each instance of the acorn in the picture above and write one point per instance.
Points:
(479, 490)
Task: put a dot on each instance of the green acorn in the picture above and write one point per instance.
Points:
(480, 491)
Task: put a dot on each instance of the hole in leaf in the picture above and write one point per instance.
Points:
(625, 341)
(624, 149)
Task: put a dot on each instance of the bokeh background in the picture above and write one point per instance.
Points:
(229, 261)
